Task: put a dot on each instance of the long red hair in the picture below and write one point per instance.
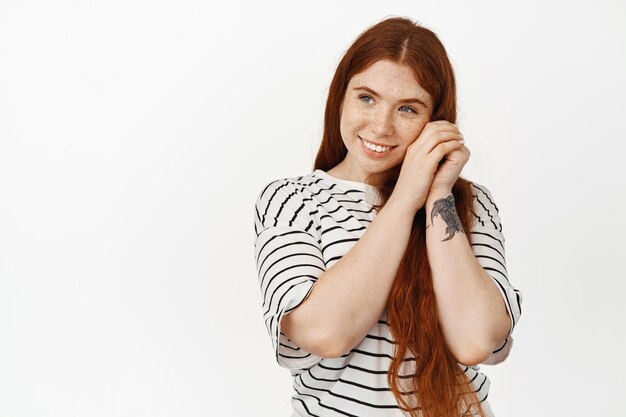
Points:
(438, 387)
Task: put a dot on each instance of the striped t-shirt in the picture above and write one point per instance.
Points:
(303, 226)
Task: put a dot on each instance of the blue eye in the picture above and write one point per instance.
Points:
(365, 98)
(409, 108)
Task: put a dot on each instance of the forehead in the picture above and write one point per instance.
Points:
(391, 80)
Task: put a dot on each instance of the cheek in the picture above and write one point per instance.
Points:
(411, 130)
(350, 120)
(419, 126)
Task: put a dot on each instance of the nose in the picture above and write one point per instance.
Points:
(382, 122)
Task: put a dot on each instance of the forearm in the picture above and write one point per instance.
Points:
(471, 310)
(349, 298)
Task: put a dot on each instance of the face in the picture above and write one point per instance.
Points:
(383, 112)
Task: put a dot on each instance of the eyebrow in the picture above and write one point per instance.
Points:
(403, 101)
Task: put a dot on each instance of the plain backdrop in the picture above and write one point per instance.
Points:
(136, 135)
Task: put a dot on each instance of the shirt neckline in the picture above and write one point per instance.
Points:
(352, 184)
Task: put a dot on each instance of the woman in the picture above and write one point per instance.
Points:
(375, 296)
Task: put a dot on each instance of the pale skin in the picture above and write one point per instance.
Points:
(386, 105)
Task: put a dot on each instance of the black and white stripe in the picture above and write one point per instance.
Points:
(303, 226)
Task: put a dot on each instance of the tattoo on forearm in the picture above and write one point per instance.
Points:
(445, 208)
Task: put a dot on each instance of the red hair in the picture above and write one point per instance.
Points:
(444, 389)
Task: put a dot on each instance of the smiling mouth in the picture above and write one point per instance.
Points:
(375, 147)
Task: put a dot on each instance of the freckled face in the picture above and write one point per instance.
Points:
(383, 112)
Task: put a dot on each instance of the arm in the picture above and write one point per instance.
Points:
(288, 261)
(471, 311)
(311, 312)
(349, 298)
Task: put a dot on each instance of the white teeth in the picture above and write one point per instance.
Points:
(376, 148)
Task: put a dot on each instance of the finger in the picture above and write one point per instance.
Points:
(432, 128)
(442, 125)
(443, 149)
(442, 122)
(457, 155)
(438, 137)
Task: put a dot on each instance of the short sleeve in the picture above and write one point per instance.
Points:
(487, 241)
(288, 261)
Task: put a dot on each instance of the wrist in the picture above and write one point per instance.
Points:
(403, 207)
(437, 193)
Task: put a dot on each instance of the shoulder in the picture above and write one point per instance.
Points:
(482, 194)
(283, 202)
(484, 206)
(286, 187)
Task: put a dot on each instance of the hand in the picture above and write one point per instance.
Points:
(449, 170)
(421, 169)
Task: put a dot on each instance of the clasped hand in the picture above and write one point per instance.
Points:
(432, 164)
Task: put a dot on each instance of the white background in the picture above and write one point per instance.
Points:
(136, 135)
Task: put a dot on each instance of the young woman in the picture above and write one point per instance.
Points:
(383, 272)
